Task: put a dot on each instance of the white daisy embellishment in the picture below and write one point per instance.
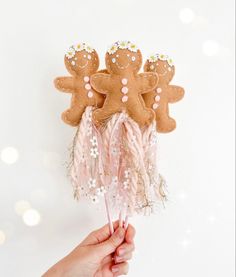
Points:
(153, 58)
(170, 62)
(112, 50)
(88, 48)
(94, 199)
(132, 47)
(101, 191)
(94, 141)
(70, 53)
(163, 57)
(126, 184)
(79, 47)
(94, 152)
(127, 173)
(114, 180)
(92, 183)
(123, 44)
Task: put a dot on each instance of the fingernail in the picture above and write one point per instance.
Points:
(114, 269)
(118, 259)
(121, 252)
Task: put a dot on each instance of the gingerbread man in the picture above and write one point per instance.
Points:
(165, 93)
(123, 86)
(81, 61)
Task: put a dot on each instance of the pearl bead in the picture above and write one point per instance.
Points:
(90, 94)
(86, 79)
(124, 81)
(155, 106)
(87, 86)
(124, 90)
(124, 98)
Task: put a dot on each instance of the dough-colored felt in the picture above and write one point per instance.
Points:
(123, 86)
(159, 98)
(81, 64)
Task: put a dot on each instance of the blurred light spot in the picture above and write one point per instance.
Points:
(2, 237)
(210, 48)
(52, 160)
(21, 207)
(186, 15)
(212, 219)
(9, 155)
(185, 243)
(31, 217)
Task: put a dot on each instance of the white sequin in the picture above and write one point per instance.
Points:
(124, 90)
(155, 106)
(124, 98)
(124, 81)
(87, 86)
(90, 94)
(86, 79)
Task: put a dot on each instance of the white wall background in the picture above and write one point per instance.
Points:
(193, 236)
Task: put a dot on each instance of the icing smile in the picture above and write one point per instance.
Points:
(122, 66)
(83, 66)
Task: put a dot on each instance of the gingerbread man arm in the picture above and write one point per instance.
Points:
(147, 81)
(175, 93)
(100, 82)
(65, 84)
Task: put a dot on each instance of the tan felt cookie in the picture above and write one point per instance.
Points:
(81, 61)
(159, 98)
(123, 86)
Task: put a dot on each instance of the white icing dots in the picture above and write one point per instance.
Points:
(86, 79)
(158, 90)
(124, 98)
(87, 86)
(124, 81)
(90, 94)
(124, 90)
(155, 106)
(157, 98)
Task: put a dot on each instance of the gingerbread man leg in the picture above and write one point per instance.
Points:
(144, 116)
(165, 123)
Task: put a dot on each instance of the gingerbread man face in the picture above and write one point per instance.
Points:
(123, 60)
(123, 86)
(163, 66)
(81, 61)
(164, 94)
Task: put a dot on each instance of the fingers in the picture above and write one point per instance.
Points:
(120, 269)
(124, 252)
(109, 246)
(99, 235)
(130, 234)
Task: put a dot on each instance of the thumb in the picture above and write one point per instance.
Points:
(109, 246)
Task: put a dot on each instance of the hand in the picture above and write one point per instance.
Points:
(99, 255)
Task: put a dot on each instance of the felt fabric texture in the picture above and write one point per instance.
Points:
(159, 98)
(123, 87)
(81, 65)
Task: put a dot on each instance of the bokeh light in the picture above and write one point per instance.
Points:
(31, 217)
(21, 207)
(2, 237)
(210, 48)
(187, 15)
(9, 155)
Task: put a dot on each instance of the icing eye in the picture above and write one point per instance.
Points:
(117, 56)
(157, 64)
(89, 57)
(76, 59)
(152, 66)
(128, 55)
(113, 60)
(133, 58)
(165, 66)
(84, 56)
